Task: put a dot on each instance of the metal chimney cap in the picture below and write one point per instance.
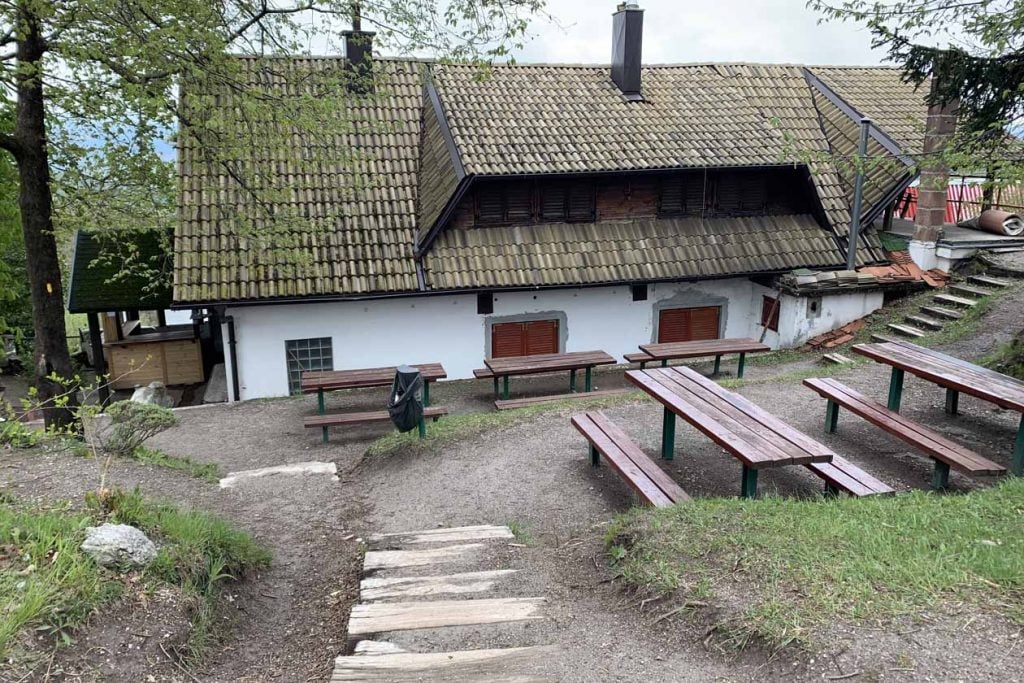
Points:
(624, 6)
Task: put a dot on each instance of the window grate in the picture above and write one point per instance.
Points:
(304, 355)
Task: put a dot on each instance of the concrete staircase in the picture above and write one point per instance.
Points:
(946, 307)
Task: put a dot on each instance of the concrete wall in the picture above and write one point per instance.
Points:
(448, 329)
(802, 318)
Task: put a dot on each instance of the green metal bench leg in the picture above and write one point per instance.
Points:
(595, 456)
(505, 387)
(830, 490)
(940, 477)
(1018, 450)
(831, 417)
(952, 401)
(668, 435)
(321, 409)
(895, 389)
(664, 363)
(588, 380)
(426, 394)
(572, 381)
(739, 369)
(643, 365)
(497, 391)
(718, 365)
(423, 428)
(748, 487)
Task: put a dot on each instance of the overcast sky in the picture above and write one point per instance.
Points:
(701, 31)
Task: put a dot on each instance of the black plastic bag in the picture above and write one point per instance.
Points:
(405, 404)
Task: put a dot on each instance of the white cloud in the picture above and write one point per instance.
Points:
(701, 31)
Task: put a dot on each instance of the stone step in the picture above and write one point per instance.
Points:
(925, 321)
(385, 617)
(969, 290)
(502, 665)
(409, 587)
(836, 359)
(906, 330)
(459, 534)
(881, 338)
(988, 281)
(940, 312)
(951, 300)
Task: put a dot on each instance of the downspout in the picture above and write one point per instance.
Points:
(232, 353)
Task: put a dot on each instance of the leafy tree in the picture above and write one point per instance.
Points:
(15, 311)
(96, 85)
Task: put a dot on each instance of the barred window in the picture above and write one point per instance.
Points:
(305, 355)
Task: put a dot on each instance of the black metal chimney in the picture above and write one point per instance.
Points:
(359, 54)
(627, 40)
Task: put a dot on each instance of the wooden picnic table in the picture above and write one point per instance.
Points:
(503, 368)
(699, 349)
(956, 376)
(320, 381)
(753, 436)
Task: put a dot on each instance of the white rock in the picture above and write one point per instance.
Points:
(118, 545)
(155, 393)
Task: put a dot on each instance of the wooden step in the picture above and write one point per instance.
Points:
(385, 617)
(969, 290)
(482, 532)
(836, 359)
(392, 559)
(940, 312)
(406, 587)
(882, 339)
(925, 321)
(513, 403)
(951, 300)
(503, 665)
(906, 330)
(988, 281)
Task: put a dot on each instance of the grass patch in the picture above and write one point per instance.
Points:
(521, 533)
(206, 471)
(464, 425)
(47, 584)
(893, 242)
(802, 563)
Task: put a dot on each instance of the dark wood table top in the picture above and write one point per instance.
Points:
(327, 380)
(698, 349)
(949, 372)
(755, 437)
(548, 362)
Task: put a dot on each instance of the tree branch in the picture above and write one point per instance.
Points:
(10, 143)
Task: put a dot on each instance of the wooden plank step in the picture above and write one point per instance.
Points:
(375, 647)
(391, 559)
(969, 290)
(514, 403)
(836, 359)
(988, 281)
(881, 338)
(502, 665)
(385, 617)
(419, 586)
(925, 321)
(906, 330)
(951, 300)
(481, 532)
(940, 312)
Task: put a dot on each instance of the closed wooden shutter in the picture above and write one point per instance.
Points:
(671, 201)
(518, 203)
(581, 203)
(552, 203)
(688, 324)
(524, 339)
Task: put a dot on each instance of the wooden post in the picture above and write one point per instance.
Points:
(99, 363)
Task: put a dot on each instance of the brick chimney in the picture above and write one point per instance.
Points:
(627, 43)
(932, 190)
(359, 54)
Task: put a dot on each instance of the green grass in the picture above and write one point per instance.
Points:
(463, 425)
(801, 563)
(47, 585)
(206, 471)
(892, 242)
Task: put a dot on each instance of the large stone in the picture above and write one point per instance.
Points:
(118, 545)
(155, 393)
(217, 385)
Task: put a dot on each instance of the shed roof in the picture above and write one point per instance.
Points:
(111, 273)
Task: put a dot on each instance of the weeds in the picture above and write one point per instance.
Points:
(206, 471)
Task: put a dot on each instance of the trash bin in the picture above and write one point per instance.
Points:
(405, 404)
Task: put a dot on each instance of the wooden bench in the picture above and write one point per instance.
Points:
(642, 474)
(843, 475)
(339, 419)
(503, 368)
(514, 403)
(665, 352)
(946, 454)
(640, 357)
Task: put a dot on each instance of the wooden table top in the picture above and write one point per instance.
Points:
(698, 349)
(755, 437)
(366, 377)
(949, 372)
(548, 362)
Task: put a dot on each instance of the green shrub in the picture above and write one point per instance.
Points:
(131, 424)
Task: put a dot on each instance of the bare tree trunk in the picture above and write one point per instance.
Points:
(36, 202)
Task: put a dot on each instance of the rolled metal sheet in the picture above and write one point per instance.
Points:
(1001, 223)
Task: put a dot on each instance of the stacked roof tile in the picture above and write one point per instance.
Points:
(343, 213)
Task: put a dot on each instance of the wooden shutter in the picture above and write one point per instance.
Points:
(518, 203)
(671, 200)
(552, 203)
(524, 339)
(581, 203)
(770, 313)
(687, 324)
(489, 208)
